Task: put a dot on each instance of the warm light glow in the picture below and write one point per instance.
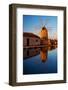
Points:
(43, 54)
(44, 33)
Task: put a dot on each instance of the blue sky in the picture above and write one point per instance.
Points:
(34, 23)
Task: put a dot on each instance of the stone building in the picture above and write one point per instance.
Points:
(30, 39)
(52, 42)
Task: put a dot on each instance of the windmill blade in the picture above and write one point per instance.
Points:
(41, 21)
(51, 28)
(46, 21)
(37, 27)
(36, 30)
(55, 35)
(48, 28)
(50, 35)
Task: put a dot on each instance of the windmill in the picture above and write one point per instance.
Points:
(44, 24)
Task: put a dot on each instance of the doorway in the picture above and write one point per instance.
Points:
(27, 41)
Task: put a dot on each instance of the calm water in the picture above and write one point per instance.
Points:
(40, 60)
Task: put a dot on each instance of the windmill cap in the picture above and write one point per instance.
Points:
(43, 28)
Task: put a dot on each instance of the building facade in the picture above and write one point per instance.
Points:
(30, 39)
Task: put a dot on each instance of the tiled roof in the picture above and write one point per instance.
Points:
(26, 34)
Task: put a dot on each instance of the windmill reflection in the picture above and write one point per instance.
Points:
(28, 53)
(43, 54)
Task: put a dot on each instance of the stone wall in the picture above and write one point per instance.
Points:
(32, 41)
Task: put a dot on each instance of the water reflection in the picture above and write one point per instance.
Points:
(52, 47)
(44, 54)
(28, 53)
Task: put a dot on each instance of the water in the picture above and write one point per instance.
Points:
(40, 60)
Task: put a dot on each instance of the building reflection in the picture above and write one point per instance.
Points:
(28, 53)
(52, 47)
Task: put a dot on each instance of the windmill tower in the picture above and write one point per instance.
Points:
(44, 36)
(44, 33)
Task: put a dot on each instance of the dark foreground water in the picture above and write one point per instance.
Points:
(40, 60)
